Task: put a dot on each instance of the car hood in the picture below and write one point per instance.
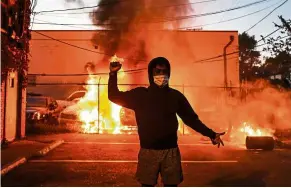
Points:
(65, 103)
(35, 109)
(73, 109)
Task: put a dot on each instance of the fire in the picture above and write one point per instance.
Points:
(107, 118)
(182, 128)
(116, 59)
(115, 109)
(250, 131)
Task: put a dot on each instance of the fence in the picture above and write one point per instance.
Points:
(214, 105)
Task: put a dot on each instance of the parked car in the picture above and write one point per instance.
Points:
(42, 109)
(69, 116)
(72, 99)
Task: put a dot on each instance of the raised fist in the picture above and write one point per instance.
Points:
(115, 66)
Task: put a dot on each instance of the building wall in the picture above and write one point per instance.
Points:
(22, 114)
(11, 107)
(183, 48)
(2, 111)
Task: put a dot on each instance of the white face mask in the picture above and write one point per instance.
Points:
(161, 80)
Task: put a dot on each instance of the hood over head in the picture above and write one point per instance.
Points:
(152, 65)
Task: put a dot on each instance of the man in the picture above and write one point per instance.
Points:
(155, 109)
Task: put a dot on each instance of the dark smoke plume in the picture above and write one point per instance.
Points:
(124, 20)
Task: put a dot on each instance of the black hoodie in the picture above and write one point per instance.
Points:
(155, 110)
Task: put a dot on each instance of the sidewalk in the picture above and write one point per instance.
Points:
(19, 149)
(18, 152)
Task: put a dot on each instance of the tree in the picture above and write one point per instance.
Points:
(15, 36)
(278, 64)
(281, 43)
(248, 57)
(279, 61)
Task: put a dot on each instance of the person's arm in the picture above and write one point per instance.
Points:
(190, 118)
(123, 98)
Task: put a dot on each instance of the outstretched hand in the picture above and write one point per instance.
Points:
(217, 140)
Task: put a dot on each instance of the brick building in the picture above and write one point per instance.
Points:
(15, 19)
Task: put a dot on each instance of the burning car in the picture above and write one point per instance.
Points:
(72, 99)
(70, 116)
(41, 109)
(90, 117)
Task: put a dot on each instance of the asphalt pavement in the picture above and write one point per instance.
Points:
(110, 160)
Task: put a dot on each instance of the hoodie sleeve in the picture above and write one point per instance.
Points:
(190, 118)
(126, 99)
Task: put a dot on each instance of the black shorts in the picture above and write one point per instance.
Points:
(152, 162)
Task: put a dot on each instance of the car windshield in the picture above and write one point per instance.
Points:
(36, 102)
(76, 95)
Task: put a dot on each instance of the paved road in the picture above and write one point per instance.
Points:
(100, 160)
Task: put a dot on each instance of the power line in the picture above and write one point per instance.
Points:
(80, 8)
(169, 19)
(215, 57)
(153, 7)
(235, 18)
(266, 16)
(268, 35)
(232, 4)
(178, 28)
(66, 24)
(274, 40)
(82, 47)
(235, 52)
(216, 60)
(199, 61)
(94, 74)
(172, 18)
(83, 83)
(51, 23)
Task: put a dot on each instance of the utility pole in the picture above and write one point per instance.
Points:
(285, 23)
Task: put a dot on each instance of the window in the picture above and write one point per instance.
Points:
(76, 95)
(11, 82)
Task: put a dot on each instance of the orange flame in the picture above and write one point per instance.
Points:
(250, 131)
(109, 119)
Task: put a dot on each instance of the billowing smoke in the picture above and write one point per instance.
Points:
(127, 20)
(261, 105)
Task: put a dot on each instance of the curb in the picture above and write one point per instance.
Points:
(23, 160)
(13, 165)
(45, 150)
